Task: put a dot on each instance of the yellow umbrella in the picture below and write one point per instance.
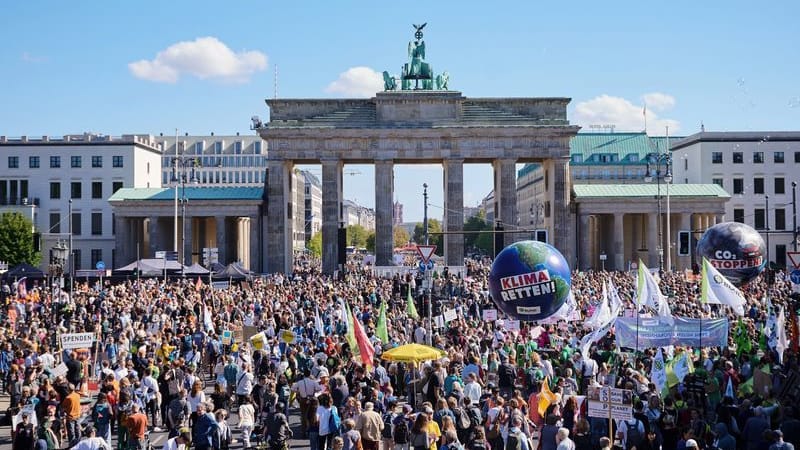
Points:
(412, 353)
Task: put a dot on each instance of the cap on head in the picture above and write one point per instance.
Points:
(691, 443)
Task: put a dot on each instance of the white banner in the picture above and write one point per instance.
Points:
(489, 315)
(76, 340)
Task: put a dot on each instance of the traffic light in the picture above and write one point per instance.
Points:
(684, 240)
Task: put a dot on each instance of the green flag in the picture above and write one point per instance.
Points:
(411, 310)
(743, 344)
(380, 328)
(351, 331)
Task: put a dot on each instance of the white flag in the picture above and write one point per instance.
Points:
(318, 323)
(590, 338)
(658, 373)
(783, 342)
(602, 314)
(717, 289)
(649, 294)
(681, 367)
(615, 303)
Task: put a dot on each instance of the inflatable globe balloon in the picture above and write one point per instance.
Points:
(735, 249)
(530, 280)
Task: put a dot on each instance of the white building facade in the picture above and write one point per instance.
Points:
(217, 160)
(45, 174)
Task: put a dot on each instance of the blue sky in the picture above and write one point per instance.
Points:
(202, 66)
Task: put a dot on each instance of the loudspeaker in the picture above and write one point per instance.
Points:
(341, 245)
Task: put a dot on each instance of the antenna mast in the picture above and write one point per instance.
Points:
(275, 83)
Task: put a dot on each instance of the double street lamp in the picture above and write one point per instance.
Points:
(179, 179)
(663, 170)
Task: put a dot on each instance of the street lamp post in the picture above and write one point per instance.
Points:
(794, 215)
(180, 180)
(427, 291)
(660, 159)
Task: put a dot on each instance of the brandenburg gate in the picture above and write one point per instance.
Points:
(419, 121)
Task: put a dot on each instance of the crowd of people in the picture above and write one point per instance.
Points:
(166, 357)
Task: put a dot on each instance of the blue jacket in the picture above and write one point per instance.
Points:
(205, 429)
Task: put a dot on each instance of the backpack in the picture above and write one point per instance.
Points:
(633, 437)
(514, 442)
(334, 422)
(474, 417)
(463, 421)
(400, 433)
(387, 426)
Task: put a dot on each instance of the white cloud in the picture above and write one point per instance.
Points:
(357, 81)
(33, 59)
(204, 58)
(624, 115)
(658, 101)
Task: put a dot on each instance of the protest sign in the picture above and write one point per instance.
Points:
(76, 340)
(489, 315)
(658, 332)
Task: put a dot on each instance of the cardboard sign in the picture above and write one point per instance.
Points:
(76, 340)
(227, 337)
(450, 315)
(489, 315)
(59, 370)
(287, 336)
(512, 325)
(248, 332)
(438, 321)
(602, 398)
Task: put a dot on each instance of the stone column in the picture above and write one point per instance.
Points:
(188, 240)
(585, 250)
(454, 211)
(505, 197)
(152, 235)
(222, 239)
(652, 240)
(685, 262)
(122, 241)
(384, 195)
(564, 236)
(719, 218)
(619, 241)
(279, 218)
(255, 256)
(331, 213)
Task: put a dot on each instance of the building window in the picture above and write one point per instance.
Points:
(218, 148)
(97, 224)
(75, 189)
(97, 189)
(758, 157)
(738, 157)
(257, 147)
(738, 215)
(718, 182)
(115, 186)
(738, 186)
(76, 259)
(55, 222)
(797, 157)
(780, 185)
(97, 256)
(758, 185)
(759, 219)
(237, 147)
(97, 161)
(75, 162)
(778, 158)
(116, 161)
(55, 189)
(76, 224)
(716, 157)
(13, 162)
(33, 162)
(55, 162)
(780, 219)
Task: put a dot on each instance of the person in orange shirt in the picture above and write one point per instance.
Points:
(137, 426)
(72, 409)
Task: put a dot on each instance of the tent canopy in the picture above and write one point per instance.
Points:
(196, 269)
(233, 271)
(149, 267)
(24, 270)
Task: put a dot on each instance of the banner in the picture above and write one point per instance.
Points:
(76, 340)
(489, 315)
(657, 332)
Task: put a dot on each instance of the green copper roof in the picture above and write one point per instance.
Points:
(648, 190)
(615, 148)
(192, 193)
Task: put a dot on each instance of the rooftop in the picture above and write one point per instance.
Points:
(737, 136)
(616, 148)
(648, 190)
(191, 192)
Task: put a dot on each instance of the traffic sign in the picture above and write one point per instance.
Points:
(425, 252)
(794, 257)
(795, 276)
(430, 265)
(422, 266)
(100, 265)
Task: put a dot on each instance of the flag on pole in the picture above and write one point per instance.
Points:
(658, 373)
(783, 342)
(380, 328)
(590, 338)
(351, 332)
(602, 314)
(364, 348)
(546, 397)
(715, 288)
(614, 301)
(318, 323)
(682, 366)
(207, 321)
(411, 309)
(649, 294)
(742, 339)
(199, 284)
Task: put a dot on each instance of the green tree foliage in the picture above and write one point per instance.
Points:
(357, 236)
(480, 241)
(315, 245)
(401, 236)
(16, 240)
(434, 226)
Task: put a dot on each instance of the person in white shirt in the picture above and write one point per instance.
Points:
(244, 384)
(179, 442)
(472, 389)
(91, 441)
(247, 415)
(149, 387)
(305, 389)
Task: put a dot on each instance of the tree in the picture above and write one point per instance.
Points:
(371, 242)
(481, 241)
(16, 240)
(315, 244)
(434, 226)
(357, 236)
(401, 236)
